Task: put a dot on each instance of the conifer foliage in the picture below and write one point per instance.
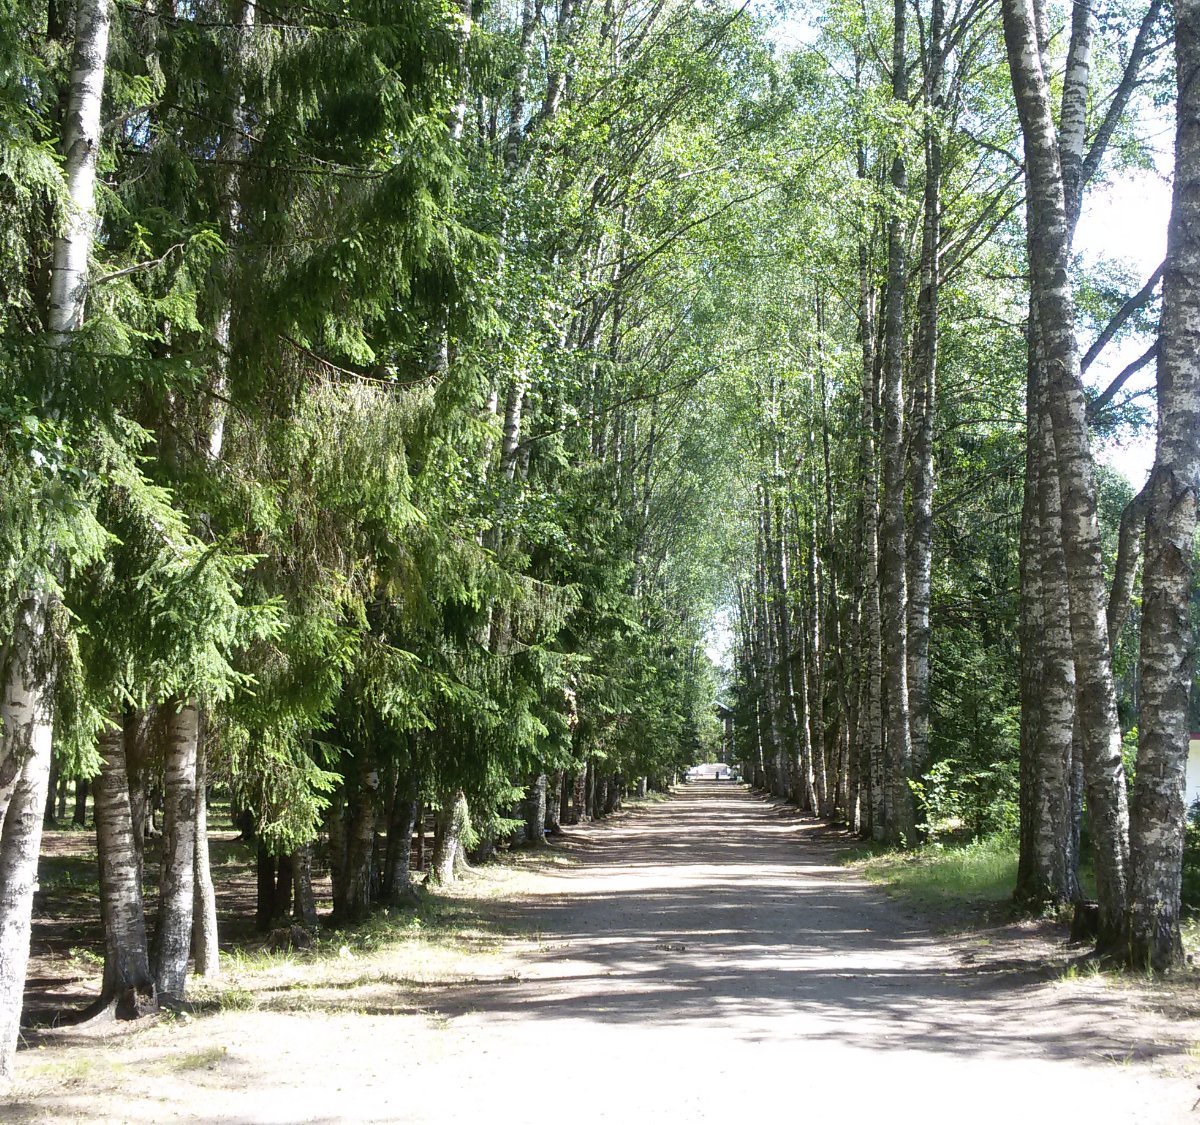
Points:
(392, 397)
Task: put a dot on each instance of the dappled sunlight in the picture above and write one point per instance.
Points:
(719, 911)
(702, 952)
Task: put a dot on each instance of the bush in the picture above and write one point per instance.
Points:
(959, 801)
(1191, 858)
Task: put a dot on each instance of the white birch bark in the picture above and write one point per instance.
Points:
(1072, 121)
(20, 841)
(871, 633)
(898, 798)
(25, 703)
(924, 397)
(1049, 251)
(173, 933)
(81, 144)
(205, 950)
(1167, 641)
(126, 957)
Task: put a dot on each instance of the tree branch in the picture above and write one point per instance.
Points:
(1137, 301)
(1122, 94)
(1129, 554)
(138, 267)
(1109, 393)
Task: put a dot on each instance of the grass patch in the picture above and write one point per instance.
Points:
(204, 1059)
(77, 1070)
(223, 997)
(976, 877)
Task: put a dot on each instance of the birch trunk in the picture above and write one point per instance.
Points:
(1129, 556)
(173, 933)
(814, 659)
(1073, 118)
(1049, 252)
(81, 144)
(1055, 858)
(535, 810)
(352, 898)
(205, 948)
(1046, 865)
(579, 810)
(25, 694)
(20, 841)
(921, 475)
(127, 977)
(871, 633)
(1167, 642)
(898, 799)
(452, 819)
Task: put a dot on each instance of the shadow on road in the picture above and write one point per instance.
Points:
(720, 909)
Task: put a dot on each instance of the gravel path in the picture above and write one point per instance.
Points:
(706, 960)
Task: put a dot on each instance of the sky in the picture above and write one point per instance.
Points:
(1126, 219)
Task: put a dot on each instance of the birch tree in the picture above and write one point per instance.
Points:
(1167, 635)
(25, 703)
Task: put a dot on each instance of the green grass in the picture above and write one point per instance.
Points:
(974, 877)
(206, 1058)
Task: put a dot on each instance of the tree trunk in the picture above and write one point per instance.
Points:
(578, 798)
(266, 869)
(535, 810)
(1054, 870)
(420, 835)
(305, 902)
(79, 816)
(20, 840)
(173, 934)
(205, 947)
(81, 144)
(26, 690)
(1129, 556)
(1167, 641)
(1049, 253)
(281, 910)
(612, 796)
(127, 979)
(49, 820)
(871, 628)
(453, 820)
(893, 565)
(554, 804)
(1046, 864)
(25, 722)
(398, 885)
(352, 900)
(600, 799)
(924, 397)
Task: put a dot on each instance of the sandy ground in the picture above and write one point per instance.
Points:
(705, 959)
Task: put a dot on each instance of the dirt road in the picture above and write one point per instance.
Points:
(706, 960)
